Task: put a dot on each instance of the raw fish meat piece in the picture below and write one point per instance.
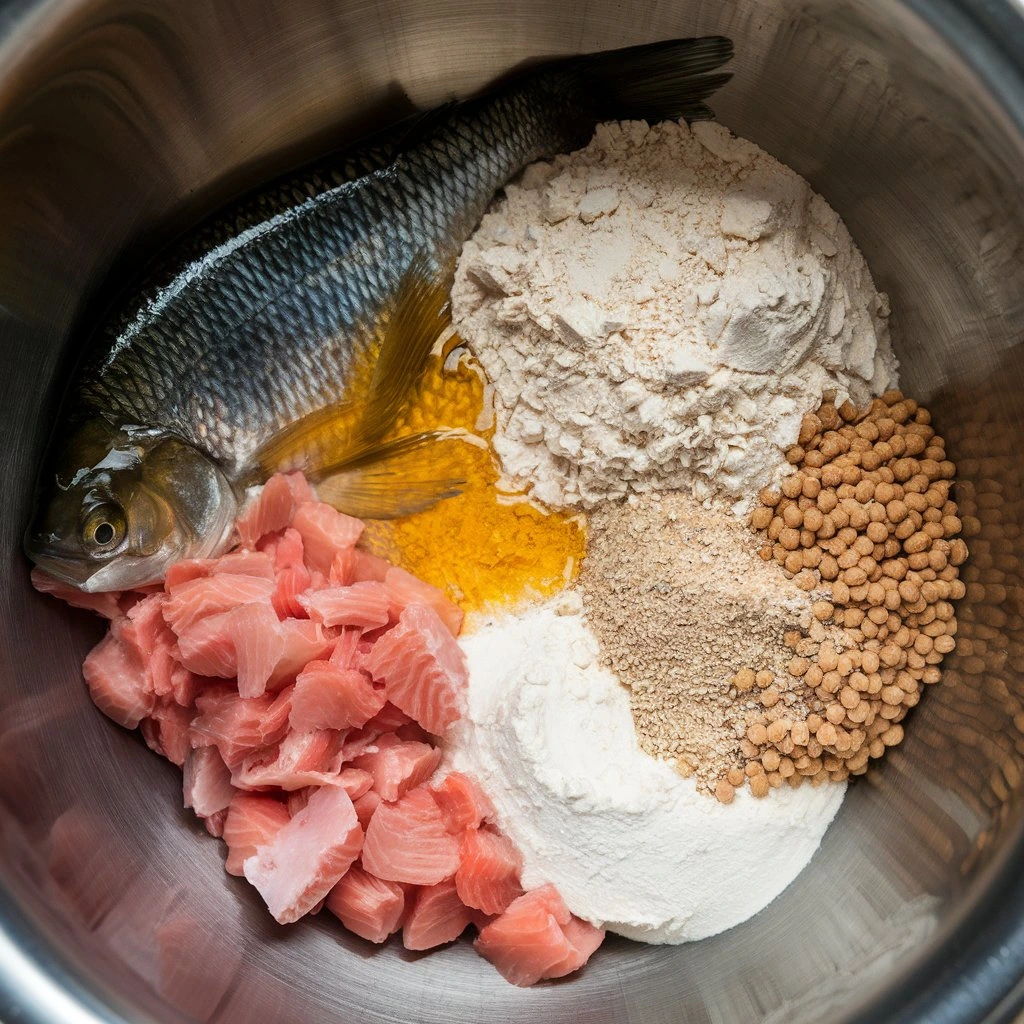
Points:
(206, 782)
(259, 646)
(405, 589)
(118, 683)
(489, 869)
(343, 568)
(346, 648)
(291, 583)
(422, 668)
(536, 938)
(244, 563)
(463, 803)
(186, 570)
(584, 939)
(407, 841)
(436, 916)
(361, 604)
(285, 549)
(166, 731)
(301, 491)
(252, 821)
(398, 765)
(308, 856)
(366, 805)
(304, 641)
(329, 697)
(388, 719)
(192, 601)
(300, 759)
(371, 907)
(325, 531)
(370, 567)
(235, 726)
(208, 647)
(270, 511)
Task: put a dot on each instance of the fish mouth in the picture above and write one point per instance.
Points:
(66, 568)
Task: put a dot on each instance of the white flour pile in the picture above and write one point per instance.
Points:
(629, 843)
(658, 311)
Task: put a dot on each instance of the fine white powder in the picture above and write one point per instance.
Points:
(628, 842)
(659, 310)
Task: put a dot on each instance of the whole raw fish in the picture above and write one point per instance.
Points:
(237, 359)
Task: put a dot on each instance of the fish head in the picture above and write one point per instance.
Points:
(118, 505)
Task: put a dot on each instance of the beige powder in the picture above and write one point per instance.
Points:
(679, 599)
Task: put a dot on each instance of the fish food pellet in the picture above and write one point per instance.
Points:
(886, 576)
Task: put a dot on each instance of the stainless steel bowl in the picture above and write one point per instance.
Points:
(122, 119)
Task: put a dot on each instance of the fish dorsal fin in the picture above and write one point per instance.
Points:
(395, 478)
(331, 436)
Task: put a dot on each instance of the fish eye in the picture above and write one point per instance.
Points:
(104, 527)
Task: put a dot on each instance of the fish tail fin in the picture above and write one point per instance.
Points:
(395, 478)
(654, 82)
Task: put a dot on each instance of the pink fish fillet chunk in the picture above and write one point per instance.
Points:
(166, 731)
(304, 641)
(235, 726)
(535, 939)
(407, 841)
(252, 821)
(371, 907)
(117, 682)
(437, 916)
(359, 604)
(271, 511)
(489, 868)
(194, 600)
(398, 765)
(244, 563)
(308, 856)
(366, 805)
(329, 697)
(301, 759)
(325, 531)
(463, 803)
(405, 589)
(206, 782)
(291, 583)
(259, 646)
(422, 668)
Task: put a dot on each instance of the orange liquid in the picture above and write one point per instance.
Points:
(487, 548)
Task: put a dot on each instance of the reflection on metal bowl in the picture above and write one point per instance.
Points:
(121, 120)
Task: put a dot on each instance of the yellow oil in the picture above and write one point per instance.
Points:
(487, 548)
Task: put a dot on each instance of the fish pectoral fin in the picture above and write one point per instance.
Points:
(396, 478)
(419, 316)
(336, 433)
(318, 439)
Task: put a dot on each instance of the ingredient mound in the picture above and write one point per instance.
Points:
(300, 682)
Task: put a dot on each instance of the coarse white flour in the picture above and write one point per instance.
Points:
(628, 842)
(658, 310)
